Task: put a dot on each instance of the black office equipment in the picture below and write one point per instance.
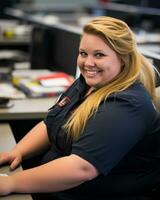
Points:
(54, 48)
(65, 50)
(41, 48)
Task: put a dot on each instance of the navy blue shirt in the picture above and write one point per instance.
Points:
(122, 140)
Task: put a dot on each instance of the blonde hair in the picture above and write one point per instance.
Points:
(121, 39)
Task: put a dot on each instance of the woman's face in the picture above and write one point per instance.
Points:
(98, 63)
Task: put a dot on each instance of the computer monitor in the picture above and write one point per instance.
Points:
(65, 50)
(55, 48)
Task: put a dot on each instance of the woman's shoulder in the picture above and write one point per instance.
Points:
(136, 92)
(135, 97)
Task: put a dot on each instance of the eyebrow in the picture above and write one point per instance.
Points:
(95, 51)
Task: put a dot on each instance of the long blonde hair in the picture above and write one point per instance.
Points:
(121, 39)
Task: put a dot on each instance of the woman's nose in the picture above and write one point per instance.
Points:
(89, 61)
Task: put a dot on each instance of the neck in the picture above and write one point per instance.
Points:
(90, 90)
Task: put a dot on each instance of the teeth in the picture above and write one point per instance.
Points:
(91, 72)
(93, 69)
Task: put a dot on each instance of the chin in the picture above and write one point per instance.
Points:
(92, 85)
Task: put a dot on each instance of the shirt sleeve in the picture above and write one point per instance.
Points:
(113, 131)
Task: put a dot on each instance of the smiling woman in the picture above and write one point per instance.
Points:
(101, 139)
(98, 63)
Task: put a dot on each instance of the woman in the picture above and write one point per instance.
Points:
(101, 138)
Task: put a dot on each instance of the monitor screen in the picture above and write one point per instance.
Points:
(65, 50)
(55, 49)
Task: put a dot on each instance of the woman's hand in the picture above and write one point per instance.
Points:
(6, 185)
(13, 158)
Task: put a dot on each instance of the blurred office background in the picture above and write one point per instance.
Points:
(45, 33)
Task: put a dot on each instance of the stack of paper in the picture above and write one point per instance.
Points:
(44, 84)
(7, 90)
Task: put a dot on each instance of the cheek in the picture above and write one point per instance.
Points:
(114, 69)
(115, 66)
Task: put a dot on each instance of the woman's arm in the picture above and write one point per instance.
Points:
(58, 175)
(35, 141)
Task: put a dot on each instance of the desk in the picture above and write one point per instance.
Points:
(25, 114)
(27, 109)
(7, 142)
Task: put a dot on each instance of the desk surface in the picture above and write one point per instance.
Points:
(27, 109)
(6, 142)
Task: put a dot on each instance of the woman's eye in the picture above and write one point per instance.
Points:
(99, 55)
(82, 53)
